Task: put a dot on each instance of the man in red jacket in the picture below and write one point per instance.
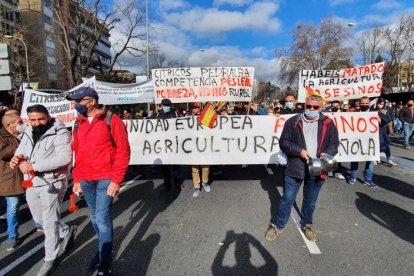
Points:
(101, 147)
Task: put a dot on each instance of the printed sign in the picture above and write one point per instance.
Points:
(240, 139)
(116, 93)
(57, 105)
(203, 84)
(342, 84)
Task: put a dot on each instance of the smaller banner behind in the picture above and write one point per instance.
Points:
(57, 105)
(241, 139)
(204, 84)
(341, 84)
(117, 93)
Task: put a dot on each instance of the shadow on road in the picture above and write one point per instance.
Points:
(397, 220)
(269, 184)
(244, 266)
(395, 185)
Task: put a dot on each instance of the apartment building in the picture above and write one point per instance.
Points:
(49, 58)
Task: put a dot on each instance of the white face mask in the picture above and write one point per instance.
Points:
(21, 128)
(380, 106)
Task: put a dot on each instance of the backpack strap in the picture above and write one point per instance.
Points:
(108, 119)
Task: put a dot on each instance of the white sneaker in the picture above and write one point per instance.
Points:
(330, 174)
(339, 176)
(392, 163)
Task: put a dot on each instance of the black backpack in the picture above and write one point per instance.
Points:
(108, 119)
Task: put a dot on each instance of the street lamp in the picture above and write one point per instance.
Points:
(27, 61)
(352, 24)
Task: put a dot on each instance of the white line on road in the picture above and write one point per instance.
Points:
(22, 258)
(312, 246)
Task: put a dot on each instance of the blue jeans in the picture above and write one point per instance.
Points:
(100, 211)
(12, 215)
(408, 129)
(311, 189)
(368, 173)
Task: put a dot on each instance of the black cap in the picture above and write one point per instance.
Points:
(82, 93)
(166, 102)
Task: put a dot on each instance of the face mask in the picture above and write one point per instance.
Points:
(289, 105)
(380, 106)
(81, 109)
(409, 105)
(21, 128)
(364, 107)
(312, 114)
(334, 109)
(166, 109)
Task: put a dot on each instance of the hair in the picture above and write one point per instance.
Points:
(37, 108)
(9, 119)
(314, 98)
(364, 98)
(290, 94)
(336, 101)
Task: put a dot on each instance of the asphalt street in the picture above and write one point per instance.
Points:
(361, 231)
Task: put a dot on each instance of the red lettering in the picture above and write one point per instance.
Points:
(364, 125)
(374, 123)
(279, 123)
(345, 123)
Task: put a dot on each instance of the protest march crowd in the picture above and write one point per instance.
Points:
(36, 161)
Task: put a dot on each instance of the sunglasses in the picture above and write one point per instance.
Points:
(314, 107)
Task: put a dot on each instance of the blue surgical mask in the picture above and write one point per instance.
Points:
(166, 109)
(312, 114)
(81, 109)
(289, 105)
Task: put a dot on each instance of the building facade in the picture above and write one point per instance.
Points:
(59, 60)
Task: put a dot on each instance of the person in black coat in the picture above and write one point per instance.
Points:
(299, 144)
(169, 171)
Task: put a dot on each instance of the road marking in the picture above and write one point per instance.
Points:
(312, 246)
(22, 258)
(269, 170)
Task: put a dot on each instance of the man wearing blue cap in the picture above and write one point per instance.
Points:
(102, 152)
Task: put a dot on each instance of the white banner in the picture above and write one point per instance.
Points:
(203, 84)
(240, 139)
(57, 105)
(342, 84)
(118, 93)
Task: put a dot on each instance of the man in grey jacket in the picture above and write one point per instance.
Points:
(45, 149)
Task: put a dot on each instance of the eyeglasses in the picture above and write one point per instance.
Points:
(314, 107)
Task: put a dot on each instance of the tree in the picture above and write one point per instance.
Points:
(79, 26)
(398, 41)
(316, 48)
(370, 42)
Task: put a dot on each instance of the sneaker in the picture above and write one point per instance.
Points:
(68, 239)
(351, 181)
(330, 174)
(104, 270)
(206, 187)
(309, 234)
(370, 184)
(339, 176)
(196, 192)
(95, 262)
(47, 268)
(391, 163)
(407, 147)
(272, 232)
(11, 244)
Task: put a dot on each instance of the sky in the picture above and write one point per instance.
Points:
(247, 32)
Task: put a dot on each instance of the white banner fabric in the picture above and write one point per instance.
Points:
(240, 139)
(342, 84)
(203, 84)
(57, 105)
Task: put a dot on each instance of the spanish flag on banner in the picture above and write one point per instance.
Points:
(208, 116)
(310, 92)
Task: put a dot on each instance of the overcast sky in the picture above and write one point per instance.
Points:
(246, 32)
